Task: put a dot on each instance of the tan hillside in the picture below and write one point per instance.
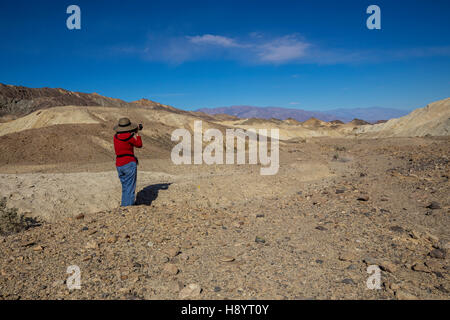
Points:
(154, 105)
(434, 120)
(84, 134)
(358, 122)
(314, 123)
(292, 121)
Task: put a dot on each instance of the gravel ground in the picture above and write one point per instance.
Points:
(336, 207)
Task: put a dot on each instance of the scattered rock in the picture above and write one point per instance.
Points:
(170, 269)
(91, 245)
(394, 286)
(388, 267)
(434, 205)
(163, 259)
(227, 259)
(348, 281)
(441, 288)
(347, 256)
(187, 245)
(397, 229)
(363, 198)
(370, 261)
(173, 252)
(414, 234)
(79, 217)
(421, 267)
(192, 290)
(176, 286)
(438, 253)
(321, 228)
(404, 295)
(38, 248)
(58, 283)
(434, 265)
(260, 240)
(183, 257)
(112, 239)
(443, 244)
(124, 290)
(28, 244)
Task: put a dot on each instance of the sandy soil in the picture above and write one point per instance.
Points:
(335, 207)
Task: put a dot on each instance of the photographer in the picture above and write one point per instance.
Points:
(126, 138)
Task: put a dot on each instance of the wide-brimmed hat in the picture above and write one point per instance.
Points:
(125, 125)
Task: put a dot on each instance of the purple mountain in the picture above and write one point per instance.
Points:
(368, 114)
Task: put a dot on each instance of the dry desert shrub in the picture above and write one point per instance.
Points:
(12, 222)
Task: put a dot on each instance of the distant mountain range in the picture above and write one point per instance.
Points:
(19, 101)
(372, 115)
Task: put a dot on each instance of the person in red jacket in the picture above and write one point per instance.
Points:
(125, 140)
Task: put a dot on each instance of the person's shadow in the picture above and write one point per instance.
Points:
(150, 193)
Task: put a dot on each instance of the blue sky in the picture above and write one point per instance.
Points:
(313, 55)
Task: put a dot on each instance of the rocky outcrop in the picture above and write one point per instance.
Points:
(20, 101)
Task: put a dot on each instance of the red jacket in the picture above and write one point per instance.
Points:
(126, 147)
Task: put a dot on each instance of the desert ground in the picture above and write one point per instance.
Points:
(339, 203)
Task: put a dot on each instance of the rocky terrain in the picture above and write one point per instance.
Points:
(342, 200)
(310, 231)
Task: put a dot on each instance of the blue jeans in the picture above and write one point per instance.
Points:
(127, 175)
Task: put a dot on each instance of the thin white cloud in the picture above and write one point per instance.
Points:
(257, 48)
(283, 50)
(211, 39)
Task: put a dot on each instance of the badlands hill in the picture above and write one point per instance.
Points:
(45, 122)
(80, 134)
(433, 120)
(19, 101)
